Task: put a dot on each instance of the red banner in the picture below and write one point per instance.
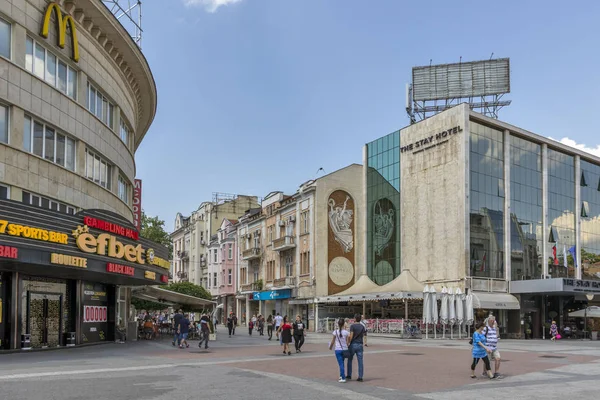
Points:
(137, 204)
(94, 314)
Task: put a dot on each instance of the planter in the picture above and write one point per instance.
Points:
(594, 335)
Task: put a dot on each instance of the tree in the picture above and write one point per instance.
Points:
(153, 229)
(191, 290)
(147, 305)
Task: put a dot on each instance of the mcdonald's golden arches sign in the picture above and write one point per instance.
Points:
(61, 28)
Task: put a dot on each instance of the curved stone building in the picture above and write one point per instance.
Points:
(76, 98)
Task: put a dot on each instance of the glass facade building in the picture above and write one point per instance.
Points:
(590, 220)
(383, 208)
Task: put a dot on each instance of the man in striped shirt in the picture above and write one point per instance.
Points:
(491, 333)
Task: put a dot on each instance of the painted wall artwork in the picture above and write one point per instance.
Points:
(341, 215)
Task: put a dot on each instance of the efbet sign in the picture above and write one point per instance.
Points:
(108, 245)
(61, 27)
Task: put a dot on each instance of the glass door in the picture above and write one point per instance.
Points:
(43, 319)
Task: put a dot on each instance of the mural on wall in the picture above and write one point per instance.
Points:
(341, 215)
(384, 242)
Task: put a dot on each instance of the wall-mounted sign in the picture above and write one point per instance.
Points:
(61, 25)
(164, 279)
(108, 245)
(137, 204)
(341, 212)
(9, 252)
(32, 233)
(95, 314)
(110, 227)
(578, 285)
(70, 261)
(120, 269)
(431, 141)
(272, 295)
(341, 271)
(150, 275)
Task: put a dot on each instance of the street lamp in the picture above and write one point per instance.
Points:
(590, 297)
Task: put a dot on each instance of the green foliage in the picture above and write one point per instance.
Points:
(259, 284)
(153, 229)
(191, 290)
(147, 305)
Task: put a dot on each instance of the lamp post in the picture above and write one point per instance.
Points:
(590, 297)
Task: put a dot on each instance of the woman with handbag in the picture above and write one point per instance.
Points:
(340, 341)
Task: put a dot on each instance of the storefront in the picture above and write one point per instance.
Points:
(275, 301)
(544, 301)
(65, 279)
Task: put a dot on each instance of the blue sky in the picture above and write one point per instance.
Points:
(257, 95)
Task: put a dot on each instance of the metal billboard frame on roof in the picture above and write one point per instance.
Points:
(461, 80)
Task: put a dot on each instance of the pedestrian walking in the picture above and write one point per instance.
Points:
(270, 326)
(250, 327)
(184, 330)
(298, 327)
(340, 342)
(230, 324)
(285, 331)
(204, 330)
(261, 325)
(235, 322)
(355, 345)
(176, 320)
(491, 336)
(553, 331)
(480, 351)
(278, 321)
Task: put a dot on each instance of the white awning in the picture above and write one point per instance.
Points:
(301, 301)
(157, 294)
(495, 301)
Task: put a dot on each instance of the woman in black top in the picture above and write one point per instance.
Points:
(286, 335)
(298, 327)
(270, 326)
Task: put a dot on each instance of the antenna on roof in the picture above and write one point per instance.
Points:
(492, 56)
(320, 169)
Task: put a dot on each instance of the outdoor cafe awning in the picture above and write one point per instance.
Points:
(153, 293)
(495, 301)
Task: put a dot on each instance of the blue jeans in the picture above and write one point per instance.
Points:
(356, 348)
(177, 338)
(340, 360)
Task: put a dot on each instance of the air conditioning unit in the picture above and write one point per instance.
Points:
(257, 233)
(281, 223)
(203, 243)
(293, 218)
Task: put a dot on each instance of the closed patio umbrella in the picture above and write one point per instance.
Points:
(426, 308)
(434, 309)
(444, 311)
(460, 309)
(469, 316)
(451, 311)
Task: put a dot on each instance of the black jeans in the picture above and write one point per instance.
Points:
(486, 361)
(270, 330)
(230, 328)
(298, 341)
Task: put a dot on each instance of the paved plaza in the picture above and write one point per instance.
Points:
(255, 368)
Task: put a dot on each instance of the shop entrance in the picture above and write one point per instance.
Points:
(44, 321)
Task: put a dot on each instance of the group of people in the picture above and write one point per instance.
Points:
(348, 342)
(181, 329)
(485, 347)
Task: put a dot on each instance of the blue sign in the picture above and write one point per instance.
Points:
(272, 295)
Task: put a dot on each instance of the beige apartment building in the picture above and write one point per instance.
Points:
(297, 247)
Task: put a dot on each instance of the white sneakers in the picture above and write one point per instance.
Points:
(341, 380)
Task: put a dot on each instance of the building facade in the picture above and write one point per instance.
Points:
(462, 200)
(190, 260)
(76, 99)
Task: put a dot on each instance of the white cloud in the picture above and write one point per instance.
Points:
(570, 142)
(209, 5)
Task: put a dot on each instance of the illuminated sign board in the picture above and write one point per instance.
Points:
(137, 204)
(110, 227)
(9, 252)
(120, 269)
(32, 233)
(108, 245)
(150, 275)
(61, 26)
(95, 314)
(69, 261)
(164, 279)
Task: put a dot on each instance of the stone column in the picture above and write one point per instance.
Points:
(248, 316)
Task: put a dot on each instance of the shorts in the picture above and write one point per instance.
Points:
(184, 336)
(495, 355)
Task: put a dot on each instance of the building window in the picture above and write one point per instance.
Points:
(43, 202)
(305, 221)
(255, 275)
(215, 279)
(270, 232)
(124, 132)
(124, 189)
(47, 66)
(289, 264)
(229, 277)
(4, 192)
(230, 252)
(3, 123)
(305, 263)
(270, 270)
(215, 256)
(5, 34)
(45, 142)
(99, 105)
(97, 169)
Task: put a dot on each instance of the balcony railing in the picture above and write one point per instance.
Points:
(183, 255)
(251, 254)
(289, 281)
(284, 243)
(250, 287)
